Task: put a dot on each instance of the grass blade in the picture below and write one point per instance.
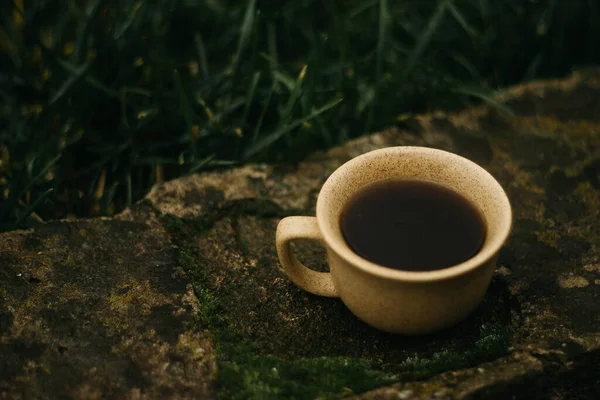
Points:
(82, 34)
(250, 96)
(185, 106)
(32, 207)
(108, 198)
(459, 18)
(326, 133)
(124, 118)
(272, 45)
(120, 31)
(466, 64)
(72, 81)
(155, 160)
(223, 163)
(128, 185)
(144, 117)
(532, 69)
(201, 55)
(245, 31)
(366, 96)
(384, 17)
(488, 98)
(269, 139)
(361, 8)
(484, 8)
(201, 164)
(263, 113)
(34, 181)
(593, 32)
(228, 110)
(123, 98)
(287, 113)
(244, 39)
(89, 79)
(10, 32)
(285, 79)
(136, 90)
(425, 37)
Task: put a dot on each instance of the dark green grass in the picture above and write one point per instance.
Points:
(100, 99)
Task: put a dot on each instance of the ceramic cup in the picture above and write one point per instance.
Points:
(393, 300)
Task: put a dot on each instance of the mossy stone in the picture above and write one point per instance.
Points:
(182, 296)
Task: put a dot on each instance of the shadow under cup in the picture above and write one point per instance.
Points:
(407, 301)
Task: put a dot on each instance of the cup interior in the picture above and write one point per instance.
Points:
(455, 172)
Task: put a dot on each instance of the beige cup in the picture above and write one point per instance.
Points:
(388, 299)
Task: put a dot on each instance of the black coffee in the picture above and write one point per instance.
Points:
(412, 225)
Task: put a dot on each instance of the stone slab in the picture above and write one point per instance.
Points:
(182, 296)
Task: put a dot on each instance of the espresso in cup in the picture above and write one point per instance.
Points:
(412, 225)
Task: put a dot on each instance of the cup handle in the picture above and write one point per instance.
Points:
(290, 228)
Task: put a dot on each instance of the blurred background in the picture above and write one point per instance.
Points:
(101, 99)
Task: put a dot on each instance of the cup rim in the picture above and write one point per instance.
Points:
(341, 248)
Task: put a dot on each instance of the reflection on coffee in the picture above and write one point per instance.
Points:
(412, 225)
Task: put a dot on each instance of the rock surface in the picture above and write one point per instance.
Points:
(182, 295)
(99, 309)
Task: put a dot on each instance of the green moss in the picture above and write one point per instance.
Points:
(494, 341)
(250, 376)
(245, 371)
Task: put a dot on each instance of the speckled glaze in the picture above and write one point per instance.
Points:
(392, 300)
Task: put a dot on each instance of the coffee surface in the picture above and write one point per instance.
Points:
(412, 225)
